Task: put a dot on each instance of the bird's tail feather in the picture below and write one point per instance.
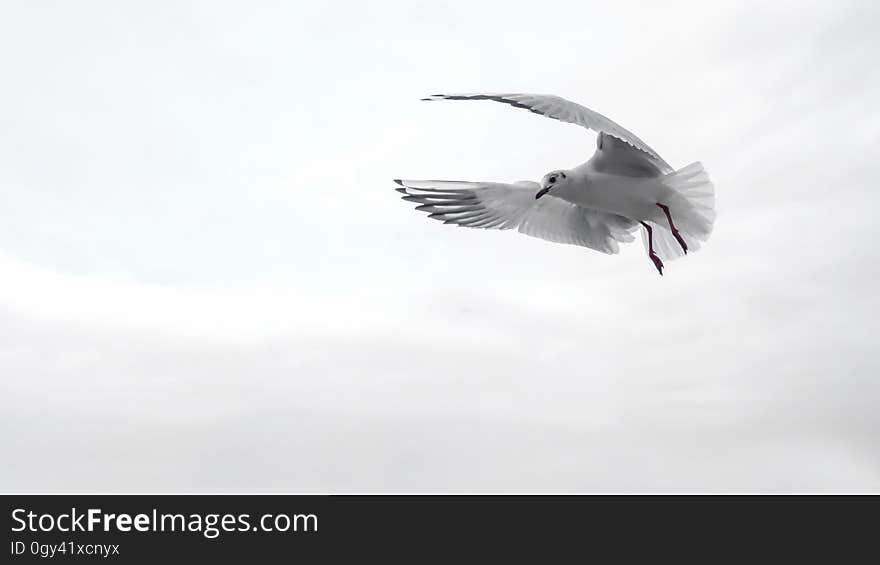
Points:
(692, 207)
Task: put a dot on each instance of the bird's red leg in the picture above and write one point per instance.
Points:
(654, 258)
(672, 227)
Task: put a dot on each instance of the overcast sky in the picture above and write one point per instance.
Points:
(208, 284)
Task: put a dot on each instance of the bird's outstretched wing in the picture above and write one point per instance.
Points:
(565, 111)
(508, 206)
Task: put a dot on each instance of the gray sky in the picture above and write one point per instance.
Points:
(207, 283)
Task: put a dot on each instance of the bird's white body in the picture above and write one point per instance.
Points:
(631, 197)
(598, 204)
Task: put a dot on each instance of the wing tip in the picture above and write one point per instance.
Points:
(402, 188)
(433, 97)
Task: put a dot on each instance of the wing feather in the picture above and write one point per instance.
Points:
(619, 158)
(563, 110)
(492, 205)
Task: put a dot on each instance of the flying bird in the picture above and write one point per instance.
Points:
(623, 187)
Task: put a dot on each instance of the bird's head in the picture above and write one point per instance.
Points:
(552, 181)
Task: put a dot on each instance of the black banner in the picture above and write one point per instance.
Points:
(151, 528)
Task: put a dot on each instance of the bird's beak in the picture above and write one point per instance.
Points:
(542, 192)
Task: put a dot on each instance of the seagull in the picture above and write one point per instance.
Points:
(625, 185)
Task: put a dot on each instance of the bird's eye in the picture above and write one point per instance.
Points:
(552, 180)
